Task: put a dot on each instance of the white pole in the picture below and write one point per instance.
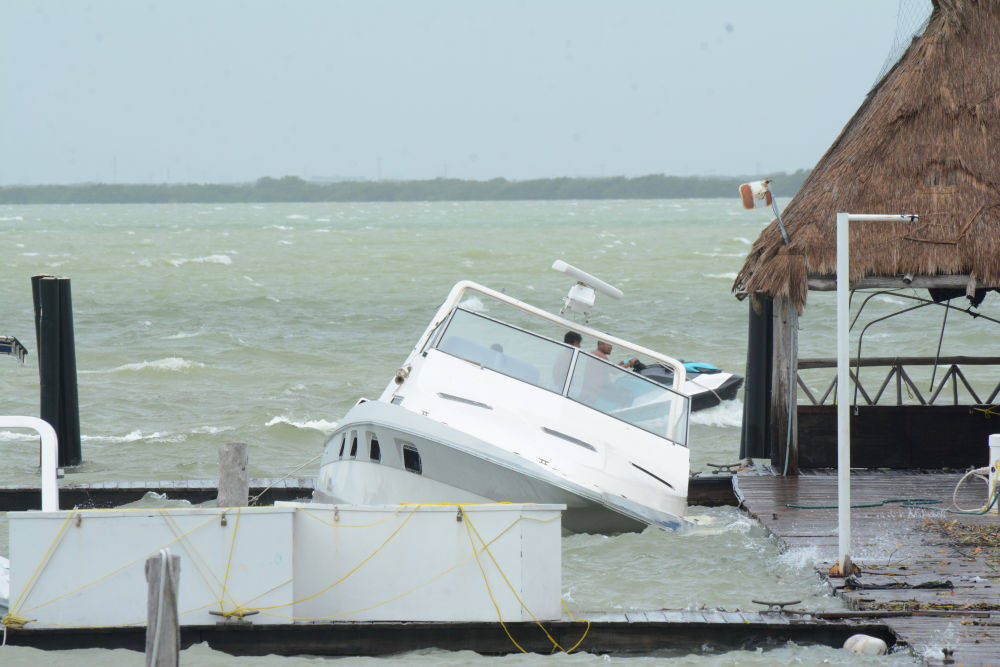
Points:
(50, 491)
(843, 396)
(843, 382)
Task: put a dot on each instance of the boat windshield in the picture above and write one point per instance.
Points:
(622, 394)
(508, 350)
(545, 363)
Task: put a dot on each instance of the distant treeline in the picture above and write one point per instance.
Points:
(295, 189)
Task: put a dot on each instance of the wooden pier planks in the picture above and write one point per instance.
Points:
(904, 565)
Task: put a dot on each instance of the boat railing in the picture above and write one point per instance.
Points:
(906, 387)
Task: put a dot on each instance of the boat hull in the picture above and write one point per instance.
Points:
(456, 467)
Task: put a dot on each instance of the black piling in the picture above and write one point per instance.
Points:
(57, 363)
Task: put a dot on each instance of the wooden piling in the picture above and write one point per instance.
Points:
(69, 439)
(57, 363)
(785, 352)
(234, 481)
(163, 637)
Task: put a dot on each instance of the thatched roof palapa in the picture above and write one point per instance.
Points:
(926, 140)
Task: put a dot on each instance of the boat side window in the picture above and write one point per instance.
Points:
(343, 441)
(411, 459)
(354, 444)
(374, 451)
(513, 352)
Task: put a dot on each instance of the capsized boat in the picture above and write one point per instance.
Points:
(493, 405)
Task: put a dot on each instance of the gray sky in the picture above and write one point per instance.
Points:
(231, 90)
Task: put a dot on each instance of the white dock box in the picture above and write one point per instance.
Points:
(87, 567)
(294, 562)
(410, 563)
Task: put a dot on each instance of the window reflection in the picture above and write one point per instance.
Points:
(626, 396)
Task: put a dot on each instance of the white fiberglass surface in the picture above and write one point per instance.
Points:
(521, 355)
(541, 362)
(633, 399)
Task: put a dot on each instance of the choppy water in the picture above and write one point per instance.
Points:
(199, 324)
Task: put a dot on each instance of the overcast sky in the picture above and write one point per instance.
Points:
(231, 90)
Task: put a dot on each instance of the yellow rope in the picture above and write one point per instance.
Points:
(418, 586)
(341, 579)
(126, 565)
(489, 591)
(229, 561)
(191, 551)
(337, 524)
(46, 557)
(486, 548)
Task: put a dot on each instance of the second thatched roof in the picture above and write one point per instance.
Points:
(926, 140)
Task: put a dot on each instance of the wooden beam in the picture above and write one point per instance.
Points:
(785, 352)
(829, 283)
(830, 362)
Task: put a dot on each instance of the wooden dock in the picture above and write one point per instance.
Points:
(907, 560)
(639, 632)
(704, 489)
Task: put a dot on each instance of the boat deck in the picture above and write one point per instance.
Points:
(908, 560)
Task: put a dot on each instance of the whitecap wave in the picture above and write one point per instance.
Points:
(212, 430)
(172, 364)
(727, 413)
(210, 259)
(315, 424)
(11, 218)
(296, 216)
(743, 239)
(135, 436)
(280, 228)
(182, 334)
(726, 276)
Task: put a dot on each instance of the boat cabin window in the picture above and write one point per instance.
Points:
(505, 349)
(354, 444)
(374, 451)
(343, 440)
(411, 459)
(621, 394)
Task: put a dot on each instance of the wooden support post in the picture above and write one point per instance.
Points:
(234, 482)
(784, 388)
(163, 636)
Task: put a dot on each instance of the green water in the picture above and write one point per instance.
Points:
(200, 324)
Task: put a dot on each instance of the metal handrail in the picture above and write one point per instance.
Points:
(50, 491)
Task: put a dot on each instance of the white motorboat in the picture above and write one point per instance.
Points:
(492, 405)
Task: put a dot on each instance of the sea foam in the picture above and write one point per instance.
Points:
(315, 424)
(210, 259)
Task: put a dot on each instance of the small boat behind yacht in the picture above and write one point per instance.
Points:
(493, 405)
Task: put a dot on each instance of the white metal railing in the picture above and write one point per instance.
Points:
(50, 491)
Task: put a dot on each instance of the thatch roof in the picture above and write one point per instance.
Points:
(926, 140)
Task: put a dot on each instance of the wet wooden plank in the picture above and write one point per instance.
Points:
(893, 545)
